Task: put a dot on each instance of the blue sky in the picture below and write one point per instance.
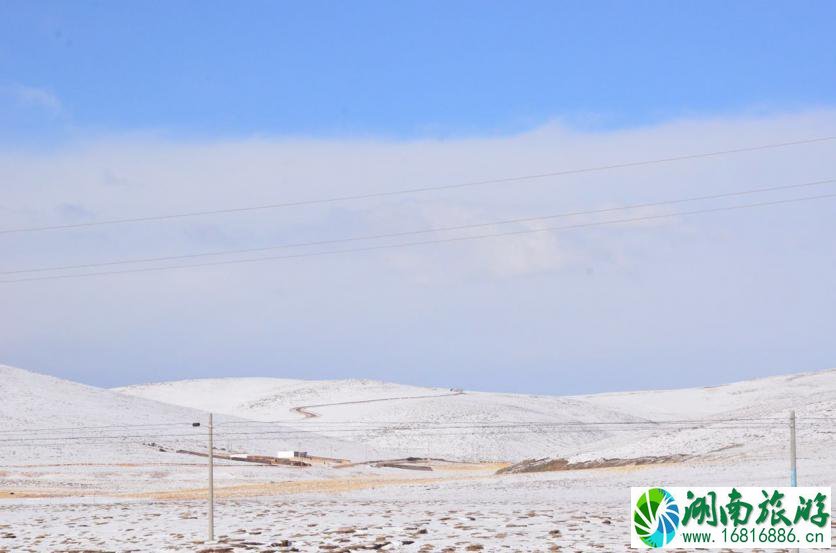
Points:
(119, 110)
(408, 69)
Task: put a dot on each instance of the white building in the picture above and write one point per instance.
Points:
(291, 454)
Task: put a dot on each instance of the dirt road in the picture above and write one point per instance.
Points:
(305, 410)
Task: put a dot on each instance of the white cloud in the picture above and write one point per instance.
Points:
(38, 97)
(610, 287)
(31, 96)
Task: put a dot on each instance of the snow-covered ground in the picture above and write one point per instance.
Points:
(578, 511)
(77, 473)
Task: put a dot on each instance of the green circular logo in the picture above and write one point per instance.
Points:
(656, 517)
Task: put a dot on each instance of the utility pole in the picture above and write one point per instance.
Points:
(211, 484)
(793, 468)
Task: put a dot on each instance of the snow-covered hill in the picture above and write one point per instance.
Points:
(269, 399)
(45, 419)
(48, 419)
(746, 418)
(399, 419)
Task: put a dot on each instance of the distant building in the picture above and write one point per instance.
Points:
(291, 454)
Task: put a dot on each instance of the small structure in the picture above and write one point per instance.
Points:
(291, 454)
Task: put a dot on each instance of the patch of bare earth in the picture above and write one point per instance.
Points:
(559, 464)
(334, 485)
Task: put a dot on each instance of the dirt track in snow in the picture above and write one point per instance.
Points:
(305, 410)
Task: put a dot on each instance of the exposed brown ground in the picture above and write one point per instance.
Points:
(281, 488)
(244, 490)
(443, 472)
(559, 464)
(331, 485)
(471, 467)
(39, 493)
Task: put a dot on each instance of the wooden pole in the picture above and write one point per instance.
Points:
(211, 484)
(793, 467)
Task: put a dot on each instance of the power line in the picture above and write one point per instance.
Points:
(434, 241)
(370, 195)
(279, 434)
(424, 231)
(408, 425)
(312, 423)
(415, 424)
(403, 427)
(569, 426)
(104, 427)
(399, 427)
(764, 420)
(349, 434)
